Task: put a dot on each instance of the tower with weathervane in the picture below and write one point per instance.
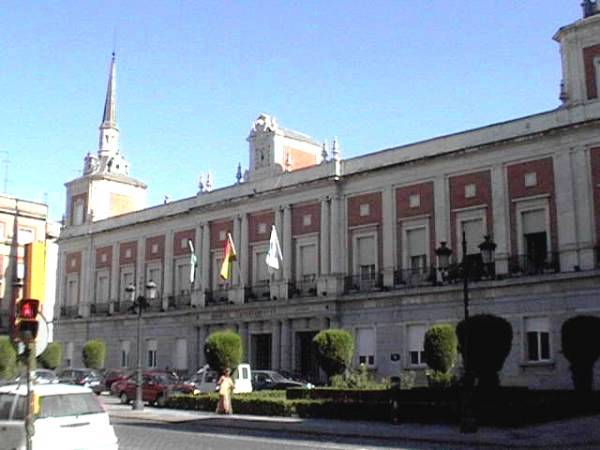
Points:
(105, 188)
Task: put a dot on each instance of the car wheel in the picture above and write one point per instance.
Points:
(124, 398)
(161, 400)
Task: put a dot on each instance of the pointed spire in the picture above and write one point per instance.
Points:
(238, 174)
(109, 133)
(335, 150)
(324, 152)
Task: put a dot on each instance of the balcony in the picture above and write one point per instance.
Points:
(182, 301)
(99, 309)
(526, 265)
(217, 297)
(409, 278)
(69, 311)
(366, 282)
(259, 292)
(307, 287)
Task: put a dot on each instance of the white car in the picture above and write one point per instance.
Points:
(205, 380)
(66, 417)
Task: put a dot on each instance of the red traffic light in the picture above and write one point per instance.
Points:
(28, 309)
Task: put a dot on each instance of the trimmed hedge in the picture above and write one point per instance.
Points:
(335, 349)
(94, 354)
(223, 349)
(580, 338)
(51, 356)
(8, 358)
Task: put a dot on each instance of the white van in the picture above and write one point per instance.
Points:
(205, 380)
(66, 417)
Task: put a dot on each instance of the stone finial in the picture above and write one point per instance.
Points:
(324, 152)
(335, 150)
(590, 7)
(238, 174)
(209, 184)
(200, 184)
(166, 199)
(288, 162)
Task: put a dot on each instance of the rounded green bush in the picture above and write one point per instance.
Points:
(51, 356)
(8, 358)
(223, 349)
(94, 354)
(488, 340)
(335, 349)
(440, 348)
(580, 337)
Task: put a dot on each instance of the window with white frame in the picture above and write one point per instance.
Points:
(364, 209)
(78, 212)
(217, 282)
(69, 354)
(154, 273)
(308, 262)
(182, 278)
(474, 232)
(470, 190)
(262, 228)
(125, 351)
(261, 272)
(126, 280)
(365, 346)
(306, 220)
(416, 338)
(366, 257)
(537, 330)
(414, 201)
(152, 361)
(181, 354)
(530, 179)
(72, 291)
(102, 287)
(416, 249)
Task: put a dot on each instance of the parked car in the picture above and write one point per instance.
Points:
(83, 377)
(205, 380)
(38, 376)
(269, 379)
(66, 417)
(157, 387)
(110, 376)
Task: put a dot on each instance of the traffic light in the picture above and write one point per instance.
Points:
(27, 323)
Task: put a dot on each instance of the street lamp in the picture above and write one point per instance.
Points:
(487, 248)
(140, 303)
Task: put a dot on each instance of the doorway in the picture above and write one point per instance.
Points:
(307, 362)
(261, 351)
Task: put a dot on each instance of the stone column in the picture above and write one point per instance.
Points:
(167, 285)
(87, 288)
(140, 270)
(388, 231)
(286, 347)
(581, 177)
(243, 251)
(204, 259)
(324, 232)
(237, 234)
(114, 276)
(565, 211)
(336, 223)
(282, 233)
(441, 208)
(61, 297)
(287, 242)
(243, 327)
(198, 288)
(275, 345)
(500, 219)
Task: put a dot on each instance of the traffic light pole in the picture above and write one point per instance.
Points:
(138, 403)
(28, 408)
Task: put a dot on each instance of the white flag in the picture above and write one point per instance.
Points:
(274, 254)
(193, 261)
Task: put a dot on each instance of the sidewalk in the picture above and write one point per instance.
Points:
(560, 434)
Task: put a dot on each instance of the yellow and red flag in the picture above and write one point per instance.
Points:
(229, 257)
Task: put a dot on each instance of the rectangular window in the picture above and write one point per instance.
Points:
(416, 337)
(308, 260)
(537, 330)
(152, 359)
(416, 247)
(474, 233)
(260, 268)
(125, 347)
(182, 279)
(101, 287)
(365, 345)
(366, 257)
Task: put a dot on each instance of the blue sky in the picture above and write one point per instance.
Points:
(193, 75)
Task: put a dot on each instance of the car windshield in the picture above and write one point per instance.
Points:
(69, 405)
(276, 376)
(7, 402)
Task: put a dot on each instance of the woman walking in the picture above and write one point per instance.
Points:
(225, 387)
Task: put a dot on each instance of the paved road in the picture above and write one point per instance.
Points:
(146, 435)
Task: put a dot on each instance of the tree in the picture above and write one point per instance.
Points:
(440, 353)
(8, 358)
(50, 358)
(580, 337)
(488, 340)
(223, 349)
(94, 353)
(335, 349)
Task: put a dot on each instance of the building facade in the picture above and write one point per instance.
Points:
(359, 239)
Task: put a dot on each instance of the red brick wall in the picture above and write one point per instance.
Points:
(215, 231)
(183, 235)
(123, 247)
(589, 53)
(517, 189)
(107, 251)
(159, 242)
(403, 210)
(374, 216)
(73, 262)
(253, 221)
(300, 159)
(483, 196)
(298, 213)
(595, 163)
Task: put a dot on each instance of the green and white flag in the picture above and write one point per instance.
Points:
(193, 261)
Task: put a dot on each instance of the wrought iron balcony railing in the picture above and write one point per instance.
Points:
(216, 297)
(181, 301)
(363, 283)
(425, 276)
(307, 287)
(259, 292)
(99, 309)
(69, 311)
(525, 265)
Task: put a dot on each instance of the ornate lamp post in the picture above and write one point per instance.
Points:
(140, 303)
(488, 250)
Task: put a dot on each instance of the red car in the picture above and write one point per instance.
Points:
(156, 388)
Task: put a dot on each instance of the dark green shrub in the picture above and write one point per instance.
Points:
(360, 378)
(51, 356)
(335, 349)
(94, 353)
(223, 349)
(8, 358)
(580, 337)
(488, 340)
(440, 351)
